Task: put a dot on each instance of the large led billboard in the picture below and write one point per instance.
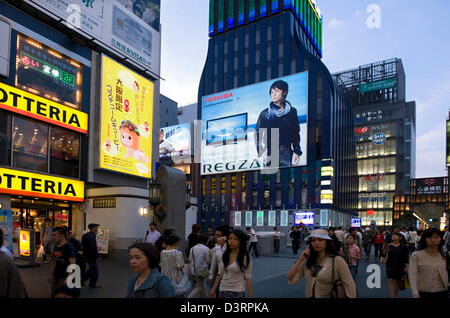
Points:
(175, 142)
(255, 127)
(306, 218)
(126, 120)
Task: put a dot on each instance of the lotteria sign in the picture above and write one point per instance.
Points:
(41, 186)
(30, 105)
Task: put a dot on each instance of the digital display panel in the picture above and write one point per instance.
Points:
(47, 73)
(307, 218)
(272, 133)
(175, 141)
(126, 120)
(356, 222)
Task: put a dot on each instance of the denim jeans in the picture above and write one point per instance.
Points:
(92, 273)
(353, 270)
(229, 294)
(276, 245)
(253, 246)
(48, 249)
(378, 250)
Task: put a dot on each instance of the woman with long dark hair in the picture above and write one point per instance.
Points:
(235, 269)
(427, 267)
(319, 263)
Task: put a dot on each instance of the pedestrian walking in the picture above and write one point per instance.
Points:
(90, 254)
(418, 237)
(222, 233)
(63, 255)
(46, 239)
(321, 267)
(253, 241)
(378, 240)
(340, 235)
(3, 248)
(79, 259)
(428, 274)
(161, 243)
(11, 285)
(199, 260)
(193, 238)
(152, 235)
(357, 235)
(447, 244)
(211, 237)
(411, 241)
(296, 236)
(353, 256)
(235, 269)
(367, 240)
(334, 238)
(172, 261)
(276, 239)
(148, 282)
(303, 233)
(397, 230)
(397, 263)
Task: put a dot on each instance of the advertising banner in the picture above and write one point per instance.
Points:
(103, 241)
(175, 143)
(429, 186)
(25, 243)
(130, 26)
(126, 120)
(261, 126)
(356, 222)
(40, 185)
(307, 218)
(6, 225)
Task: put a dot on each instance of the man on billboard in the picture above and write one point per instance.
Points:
(282, 115)
(165, 149)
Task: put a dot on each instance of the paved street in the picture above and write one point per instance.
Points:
(268, 279)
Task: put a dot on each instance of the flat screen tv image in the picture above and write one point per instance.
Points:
(256, 127)
(356, 222)
(307, 218)
(226, 129)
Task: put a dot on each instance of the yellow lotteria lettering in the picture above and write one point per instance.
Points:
(30, 105)
(39, 185)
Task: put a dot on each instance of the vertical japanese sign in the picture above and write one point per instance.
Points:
(6, 218)
(126, 120)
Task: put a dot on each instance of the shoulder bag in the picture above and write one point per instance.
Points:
(183, 285)
(338, 290)
(202, 272)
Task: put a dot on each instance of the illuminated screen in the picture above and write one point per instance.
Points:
(230, 13)
(233, 141)
(356, 222)
(307, 218)
(218, 130)
(241, 7)
(251, 10)
(221, 15)
(175, 141)
(47, 73)
(126, 120)
(262, 8)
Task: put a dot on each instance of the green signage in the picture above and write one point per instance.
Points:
(375, 86)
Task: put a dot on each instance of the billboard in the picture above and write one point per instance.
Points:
(261, 126)
(126, 120)
(128, 26)
(307, 218)
(175, 142)
(356, 222)
(448, 143)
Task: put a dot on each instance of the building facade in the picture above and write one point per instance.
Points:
(168, 112)
(252, 42)
(65, 98)
(385, 125)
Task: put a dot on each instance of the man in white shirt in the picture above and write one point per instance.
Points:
(217, 252)
(151, 236)
(199, 260)
(253, 241)
(340, 234)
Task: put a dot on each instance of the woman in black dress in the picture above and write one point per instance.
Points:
(397, 263)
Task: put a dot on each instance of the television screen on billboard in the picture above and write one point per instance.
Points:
(307, 218)
(356, 222)
(260, 126)
(174, 141)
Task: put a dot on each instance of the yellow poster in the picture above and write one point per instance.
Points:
(126, 120)
(24, 243)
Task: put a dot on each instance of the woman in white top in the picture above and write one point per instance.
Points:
(172, 260)
(235, 269)
(427, 267)
(199, 260)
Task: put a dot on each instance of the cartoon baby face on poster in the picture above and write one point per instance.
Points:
(126, 121)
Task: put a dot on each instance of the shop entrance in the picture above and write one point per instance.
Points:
(31, 214)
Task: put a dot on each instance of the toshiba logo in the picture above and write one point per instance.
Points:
(218, 97)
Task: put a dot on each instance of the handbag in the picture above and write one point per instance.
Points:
(406, 281)
(202, 272)
(338, 290)
(183, 286)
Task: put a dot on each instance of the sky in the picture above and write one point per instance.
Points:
(415, 31)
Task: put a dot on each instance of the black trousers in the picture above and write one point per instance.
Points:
(253, 246)
(295, 246)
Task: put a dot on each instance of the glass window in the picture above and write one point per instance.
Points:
(248, 218)
(272, 218)
(30, 144)
(5, 138)
(237, 218)
(284, 218)
(64, 152)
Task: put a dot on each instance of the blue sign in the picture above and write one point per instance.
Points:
(379, 139)
(307, 218)
(6, 221)
(356, 222)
